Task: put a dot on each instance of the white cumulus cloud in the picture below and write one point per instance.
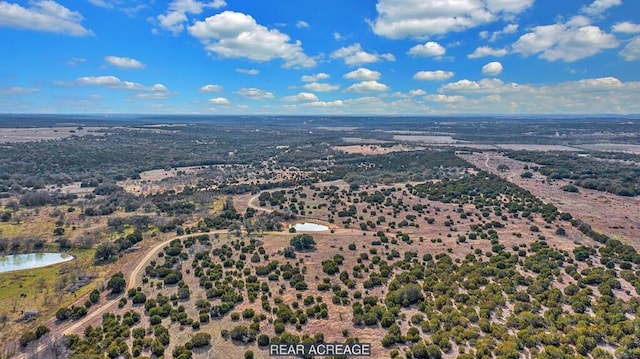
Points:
(509, 29)
(438, 75)
(492, 69)
(210, 88)
(302, 24)
(424, 18)
(155, 92)
(362, 74)
(302, 97)
(108, 81)
(367, 86)
(219, 101)
(123, 62)
(428, 49)
(586, 96)
(509, 6)
(321, 87)
(570, 41)
(313, 78)
(484, 86)
(418, 92)
(142, 92)
(43, 15)
(599, 6)
(236, 35)
(255, 94)
(354, 55)
(444, 98)
(175, 17)
(626, 27)
(326, 104)
(631, 51)
(484, 51)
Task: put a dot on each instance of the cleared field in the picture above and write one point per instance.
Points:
(427, 139)
(207, 177)
(608, 213)
(359, 140)
(612, 147)
(374, 149)
(45, 133)
(532, 147)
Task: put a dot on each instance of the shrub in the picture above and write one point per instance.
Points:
(139, 298)
(241, 333)
(263, 340)
(201, 340)
(63, 313)
(94, 296)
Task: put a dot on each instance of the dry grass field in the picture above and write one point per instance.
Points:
(46, 133)
(607, 213)
(428, 139)
(532, 147)
(374, 149)
(613, 147)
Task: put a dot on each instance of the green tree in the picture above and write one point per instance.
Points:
(105, 252)
(302, 242)
(117, 283)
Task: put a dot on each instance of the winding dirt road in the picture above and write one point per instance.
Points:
(257, 208)
(112, 303)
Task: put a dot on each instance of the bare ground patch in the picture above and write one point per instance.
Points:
(374, 149)
(429, 139)
(612, 147)
(46, 133)
(533, 147)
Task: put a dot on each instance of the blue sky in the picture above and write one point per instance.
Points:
(361, 57)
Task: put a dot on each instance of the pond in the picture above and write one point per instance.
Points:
(16, 262)
(310, 227)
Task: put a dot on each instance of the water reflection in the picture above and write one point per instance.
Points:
(310, 227)
(31, 260)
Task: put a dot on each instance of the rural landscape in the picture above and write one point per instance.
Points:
(461, 238)
(383, 179)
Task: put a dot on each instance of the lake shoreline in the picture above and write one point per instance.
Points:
(18, 262)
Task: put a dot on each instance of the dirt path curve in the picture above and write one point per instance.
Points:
(257, 208)
(109, 303)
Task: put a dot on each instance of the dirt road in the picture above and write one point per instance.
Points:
(110, 303)
(257, 208)
(132, 281)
